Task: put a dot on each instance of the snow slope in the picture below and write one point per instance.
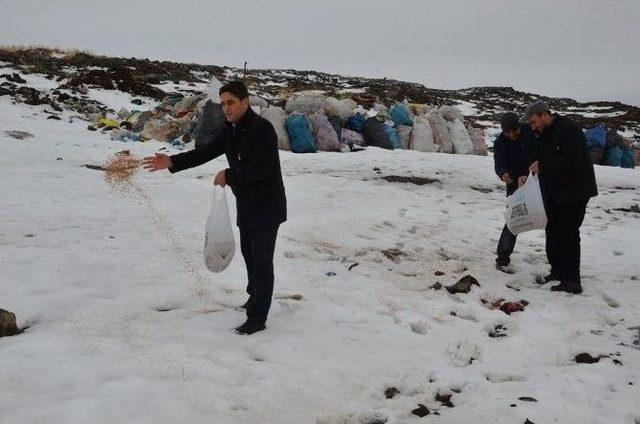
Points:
(127, 325)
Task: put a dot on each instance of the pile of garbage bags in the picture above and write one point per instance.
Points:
(608, 147)
(309, 122)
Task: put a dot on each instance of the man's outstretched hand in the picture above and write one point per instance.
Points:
(156, 163)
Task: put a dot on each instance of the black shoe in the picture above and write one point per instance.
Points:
(548, 278)
(249, 328)
(573, 288)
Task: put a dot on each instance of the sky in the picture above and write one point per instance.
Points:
(587, 50)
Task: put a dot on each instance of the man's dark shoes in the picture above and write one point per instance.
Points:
(548, 278)
(569, 287)
(249, 328)
(502, 265)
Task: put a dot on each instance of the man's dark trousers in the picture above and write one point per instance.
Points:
(507, 239)
(258, 245)
(563, 238)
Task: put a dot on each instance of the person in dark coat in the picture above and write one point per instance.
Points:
(567, 182)
(513, 153)
(251, 147)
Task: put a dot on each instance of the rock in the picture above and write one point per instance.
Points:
(436, 286)
(463, 285)
(391, 392)
(8, 324)
(137, 102)
(56, 117)
(421, 411)
(438, 273)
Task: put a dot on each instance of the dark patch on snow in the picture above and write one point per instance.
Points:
(632, 209)
(393, 254)
(412, 180)
(421, 411)
(19, 135)
(498, 331)
(445, 399)
(585, 358)
(391, 392)
(94, 167)
(481, 189)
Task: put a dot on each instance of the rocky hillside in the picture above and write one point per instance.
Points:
(74, 71)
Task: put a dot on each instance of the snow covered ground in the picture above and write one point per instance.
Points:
(127, 325)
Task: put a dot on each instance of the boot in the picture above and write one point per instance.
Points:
(569, 286)
(548, 278)
(249, 328)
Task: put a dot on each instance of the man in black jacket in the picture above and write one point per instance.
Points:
(567, 182)
(251, 147)
(513, 153)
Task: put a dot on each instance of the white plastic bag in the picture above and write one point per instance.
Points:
(219, 244)
(422, 136)
(525, 209)
(462, 144)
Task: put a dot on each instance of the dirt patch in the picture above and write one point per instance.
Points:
(393, 254)
(481, 189)
(411, 180)
(19, 135)
(445, 399)
(391, 392)
(297, 297)
(632, 209)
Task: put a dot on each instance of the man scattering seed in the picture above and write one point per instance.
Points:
(251, 146)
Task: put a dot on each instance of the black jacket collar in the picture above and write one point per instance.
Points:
(246, 119)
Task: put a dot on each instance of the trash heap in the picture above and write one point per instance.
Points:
(609, 148)
(309, 122)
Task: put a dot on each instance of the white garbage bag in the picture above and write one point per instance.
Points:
(525, 209)
(462, 144)
(422, 136)
(278, 117)
(219, 244)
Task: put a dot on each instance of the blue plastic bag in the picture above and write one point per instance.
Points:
(596, 136)
(628, 159)
(300, 135)
(354, 123)
(613, 156)
(400, 115)
(394, 138)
